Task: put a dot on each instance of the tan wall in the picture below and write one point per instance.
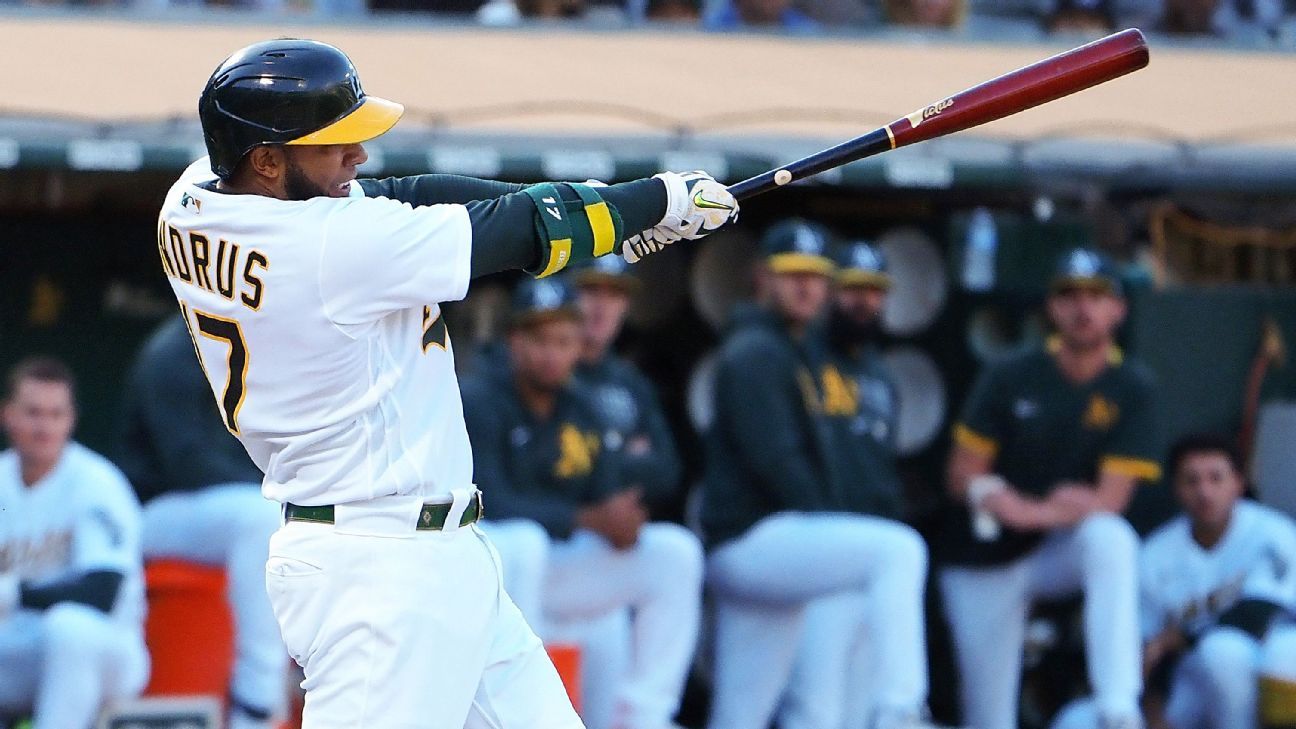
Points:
(83, 67)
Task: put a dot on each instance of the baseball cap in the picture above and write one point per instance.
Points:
(797, 246)
(1085, 268)
(611, 270)
(861, 264)
(538, 300)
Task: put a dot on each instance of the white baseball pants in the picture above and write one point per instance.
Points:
(659, 583)
(823, 611)
(65, 663)
(987, 609)
(229, 525)
(404, 629)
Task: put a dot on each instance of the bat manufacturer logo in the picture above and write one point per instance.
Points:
(918, 117)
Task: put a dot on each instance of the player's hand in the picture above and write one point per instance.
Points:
(1068, 503)
(696, 205)
(617, 518)
(1013, 510)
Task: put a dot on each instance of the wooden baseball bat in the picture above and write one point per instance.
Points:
(1038, 83)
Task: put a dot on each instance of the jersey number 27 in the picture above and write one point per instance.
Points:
(229, 332)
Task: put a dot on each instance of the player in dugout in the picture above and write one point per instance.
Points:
(621, 391)
(202, 503)
(1047, 452)
(787, 546)
(71, 583)
(544, 445)
(1218, 603)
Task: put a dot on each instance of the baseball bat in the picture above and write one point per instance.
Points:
(1039, 83)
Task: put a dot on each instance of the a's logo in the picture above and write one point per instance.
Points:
(807, 240)
(840, 395)
(1024, 408)
(548, 295)
(1101, 413)
(918, 117)
(577, 452)
(189, 202)
(1084, 264)
(705, 204)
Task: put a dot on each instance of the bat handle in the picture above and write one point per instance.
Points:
(877, 141)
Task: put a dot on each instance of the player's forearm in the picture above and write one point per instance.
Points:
(1114, 491)
(964, 465)
(97, 588)
(512, 231)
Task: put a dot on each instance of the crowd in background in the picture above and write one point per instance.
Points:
(1243, 21)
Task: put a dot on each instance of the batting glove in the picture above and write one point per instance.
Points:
(696, 206)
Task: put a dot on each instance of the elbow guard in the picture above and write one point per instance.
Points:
(574, 223)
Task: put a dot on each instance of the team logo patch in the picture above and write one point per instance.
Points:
(1101, 413)
(191, 203)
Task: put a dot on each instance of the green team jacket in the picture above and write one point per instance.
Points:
(543, 469)
(765, 451)
(861, 410)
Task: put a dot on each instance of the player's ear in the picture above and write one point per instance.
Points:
(267, 161)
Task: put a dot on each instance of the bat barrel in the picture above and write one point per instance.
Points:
(1039, 83)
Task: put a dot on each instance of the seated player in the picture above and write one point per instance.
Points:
(622, 393)
(542, 451)
(1218, 592)
(794, 557)
(71, 589)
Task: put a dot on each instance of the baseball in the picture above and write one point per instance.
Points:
(782, 177)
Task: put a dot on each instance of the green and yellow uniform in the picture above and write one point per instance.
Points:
(1041, 429)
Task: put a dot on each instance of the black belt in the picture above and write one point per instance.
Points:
(432, 518)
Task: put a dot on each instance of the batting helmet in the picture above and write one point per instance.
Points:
(287, 91)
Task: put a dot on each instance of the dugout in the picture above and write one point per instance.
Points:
(1183, 173)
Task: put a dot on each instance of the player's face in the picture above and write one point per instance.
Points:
(545, 353)
(39, 419)
(1208, 486)
(862, 304)
(799, 297)
(321, 170)
(1085, 318)
(603, 309)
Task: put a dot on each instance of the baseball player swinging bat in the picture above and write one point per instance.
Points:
(1039, 83)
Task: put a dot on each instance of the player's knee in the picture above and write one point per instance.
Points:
(908, 551)
(1228, 660)
(76, 628)
(1109, 539)
(673, 550)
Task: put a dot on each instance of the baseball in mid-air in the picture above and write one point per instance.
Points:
(782, 177)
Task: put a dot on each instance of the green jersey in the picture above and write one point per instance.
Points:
(1041, 429)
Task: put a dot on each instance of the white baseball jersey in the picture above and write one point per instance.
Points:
(1186, 585)
(81, 517)
(318, 325)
